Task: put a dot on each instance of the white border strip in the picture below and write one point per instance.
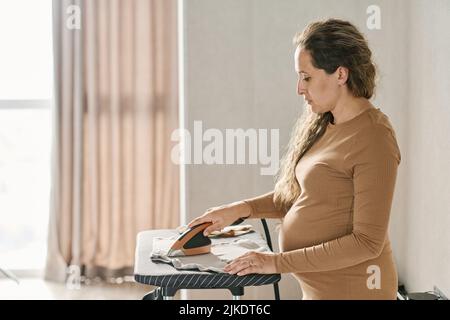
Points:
(25, 104)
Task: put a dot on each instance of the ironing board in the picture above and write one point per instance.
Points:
(170, 280)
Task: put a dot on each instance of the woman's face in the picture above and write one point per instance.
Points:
(320, 90)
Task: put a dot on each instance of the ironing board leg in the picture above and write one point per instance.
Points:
(237, 292)
(168, 293)
(154, 295)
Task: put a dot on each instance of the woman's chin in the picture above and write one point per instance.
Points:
(314, 108)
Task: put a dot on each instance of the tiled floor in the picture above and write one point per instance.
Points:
(35, 288)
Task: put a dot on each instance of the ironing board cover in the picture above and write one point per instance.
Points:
(165, 275)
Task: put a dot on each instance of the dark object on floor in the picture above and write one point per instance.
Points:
(422, 296)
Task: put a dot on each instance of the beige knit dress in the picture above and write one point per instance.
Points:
(334, 238)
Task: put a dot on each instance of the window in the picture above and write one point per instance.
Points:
(26, 90)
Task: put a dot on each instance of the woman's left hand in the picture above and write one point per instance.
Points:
(252, 262)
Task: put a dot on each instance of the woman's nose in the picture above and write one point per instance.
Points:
(300, 89)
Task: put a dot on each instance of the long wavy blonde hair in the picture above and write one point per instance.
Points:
(331, 43)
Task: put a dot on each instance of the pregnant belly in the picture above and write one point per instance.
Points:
(303, 228)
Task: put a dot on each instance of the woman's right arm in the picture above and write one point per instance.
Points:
(253, 208)
(263, 206)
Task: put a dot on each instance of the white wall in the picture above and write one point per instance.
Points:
(425, 238)
(239, 73)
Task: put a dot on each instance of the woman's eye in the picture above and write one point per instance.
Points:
(305, 78)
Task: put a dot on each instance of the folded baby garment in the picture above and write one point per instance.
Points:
(221, 253)
(230, 231)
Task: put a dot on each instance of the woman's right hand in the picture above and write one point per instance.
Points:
(222, 216)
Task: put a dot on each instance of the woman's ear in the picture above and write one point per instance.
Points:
(342, 75)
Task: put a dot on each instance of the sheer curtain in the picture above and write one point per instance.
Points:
(116, 105)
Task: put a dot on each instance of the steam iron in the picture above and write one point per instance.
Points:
(191, 242)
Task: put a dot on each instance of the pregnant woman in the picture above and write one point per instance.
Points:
(336, 182)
